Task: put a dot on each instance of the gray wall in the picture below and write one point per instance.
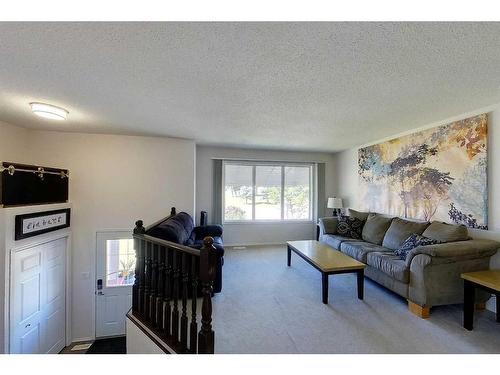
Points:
(254, 233)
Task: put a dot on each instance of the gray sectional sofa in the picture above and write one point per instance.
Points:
(430, 275)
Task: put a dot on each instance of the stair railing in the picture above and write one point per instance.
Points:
(171, 279)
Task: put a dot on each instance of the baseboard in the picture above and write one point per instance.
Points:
(255, 244)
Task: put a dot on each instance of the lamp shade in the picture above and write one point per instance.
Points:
(334, 203)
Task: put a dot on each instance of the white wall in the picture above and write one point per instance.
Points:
(13, 144)
(13, 147)
(114, 180)
(346, 164)
(254, 233)
(138, 342)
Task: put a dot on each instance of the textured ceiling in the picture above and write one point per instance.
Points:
(311, 86)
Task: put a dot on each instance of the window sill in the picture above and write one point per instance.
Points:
(253, 222)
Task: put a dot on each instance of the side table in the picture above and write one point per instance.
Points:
(486, 280)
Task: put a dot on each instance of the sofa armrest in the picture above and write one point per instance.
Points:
(208, 230)
(459, 250)
(437, 280)
(328, 225)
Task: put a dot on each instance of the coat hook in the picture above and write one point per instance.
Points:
(40, 172)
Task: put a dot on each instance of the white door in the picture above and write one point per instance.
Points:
(115, 277)
(54, 307)
(38, 298)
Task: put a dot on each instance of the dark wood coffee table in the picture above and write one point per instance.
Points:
(328, 261)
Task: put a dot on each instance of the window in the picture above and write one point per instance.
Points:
(297, 200)
(238, 192)
(267, 191)
(120, 262)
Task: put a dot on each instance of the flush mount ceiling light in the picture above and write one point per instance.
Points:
(49, 111)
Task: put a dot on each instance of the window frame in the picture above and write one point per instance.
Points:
(312, 190)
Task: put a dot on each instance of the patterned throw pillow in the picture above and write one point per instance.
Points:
(412, 242)
(349, 226)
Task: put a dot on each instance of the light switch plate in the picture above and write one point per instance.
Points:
(85, 275)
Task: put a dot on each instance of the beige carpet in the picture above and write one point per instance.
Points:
(266, 307)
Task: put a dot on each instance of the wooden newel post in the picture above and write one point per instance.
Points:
(207, 276)
(139, 265)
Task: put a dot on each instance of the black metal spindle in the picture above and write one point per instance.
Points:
(207, 275)
(154, 280)
(193, 329)
(168, 293)
(139, 229)
(142, 278)
(184, 318)
(161, 286)
(175, 312)
(147, 281)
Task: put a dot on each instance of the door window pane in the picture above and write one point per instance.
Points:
(297, 193)
(267, 192)
(120, 262)
(238, 192)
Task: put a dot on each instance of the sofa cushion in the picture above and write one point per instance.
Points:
(400, 230)
(413, 241)
(350, 226)
(176, 228)
(375, 227)
(357, 214)
(328, 225)
(443, 232)
(360, 249)
(390, 264)
(186, 221)
(335, 240)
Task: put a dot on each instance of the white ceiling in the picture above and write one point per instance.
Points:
(311, 86)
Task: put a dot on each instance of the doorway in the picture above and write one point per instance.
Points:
(115, 275)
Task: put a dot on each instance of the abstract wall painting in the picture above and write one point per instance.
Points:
(436, 174)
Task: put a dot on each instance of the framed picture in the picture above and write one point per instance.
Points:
(29, 225)
(437, 174)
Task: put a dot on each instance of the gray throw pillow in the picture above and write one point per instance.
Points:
(400, 230)
(329, 224)
(443, 232)
(375, 227)
(357, 214)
